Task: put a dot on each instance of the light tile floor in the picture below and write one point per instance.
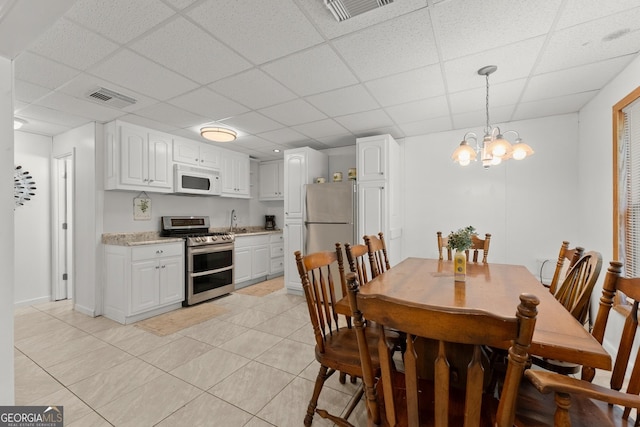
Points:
(253, 366)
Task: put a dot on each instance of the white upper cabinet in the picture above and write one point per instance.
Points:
(235, 174)
(196, 153)
(272, 180)
(373, 158)
(137, 158)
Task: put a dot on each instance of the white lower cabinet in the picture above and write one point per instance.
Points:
(143, 281)
(251, 259)
(276, 255)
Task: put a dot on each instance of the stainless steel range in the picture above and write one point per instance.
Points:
(209, 257)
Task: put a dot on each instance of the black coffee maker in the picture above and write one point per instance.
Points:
(270, 222)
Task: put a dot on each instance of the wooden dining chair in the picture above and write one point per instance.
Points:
(566, 259)
(377, 250)
(400, 398)
(443, 244)
(575, 295)
(478, 245)
(563, 400)
(336, 346)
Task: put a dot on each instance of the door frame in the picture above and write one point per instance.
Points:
(60, 290)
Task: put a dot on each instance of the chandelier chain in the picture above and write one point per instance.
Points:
(487, 129)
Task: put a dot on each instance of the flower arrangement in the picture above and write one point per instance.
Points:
(461, 239)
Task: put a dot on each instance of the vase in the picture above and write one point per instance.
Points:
(460, 266)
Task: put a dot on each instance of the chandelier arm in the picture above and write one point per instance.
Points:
(488, 128)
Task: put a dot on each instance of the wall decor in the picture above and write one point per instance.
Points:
(23, 186)
(142, 207)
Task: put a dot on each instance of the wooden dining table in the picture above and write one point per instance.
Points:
(492, 288)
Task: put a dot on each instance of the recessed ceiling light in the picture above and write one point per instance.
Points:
(276, 150)
(218, 134)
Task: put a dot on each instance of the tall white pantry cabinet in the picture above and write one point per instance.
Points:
(379, 180)
(301, 166)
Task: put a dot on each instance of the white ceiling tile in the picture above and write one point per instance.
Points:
(552, 106)
(72, 45)
(394, 131)
(40, 127)
(180, 4)
(45, 114)
(424, 127)
(282, 136)
(183, 47)
(580, 11)
(119, 20)
(344, 101)
(170, 114)
(207, 103)
(148, 123)
(478, 119)
(409, 86)
(419, 110)
(84, 84)
(253, 88)
(391, 47)
(513, 61)
(252, 122)
(42, 71)
(134, 72)
(259, 30)
(359, 122)
(466, 28)
(294, 112)
(315, 70)
(68, 104)
(499, 95)
(589, 42)
(321, 129)
(573, 80)
(28, 92)
(338, 141)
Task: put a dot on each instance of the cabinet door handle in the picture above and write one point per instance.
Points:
(164, 266)
(381, 173)
(157, 267)
(150, 180)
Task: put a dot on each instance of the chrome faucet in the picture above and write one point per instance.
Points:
(234, 219)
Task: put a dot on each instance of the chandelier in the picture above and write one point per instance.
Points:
(493, 148)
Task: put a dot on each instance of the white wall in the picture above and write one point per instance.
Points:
(596, 178)
(7, 395)
(32, 222)
(521, 203)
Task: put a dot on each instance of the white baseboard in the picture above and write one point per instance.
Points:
(33, 301)
(84, 310)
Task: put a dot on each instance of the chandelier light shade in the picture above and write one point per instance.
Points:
(218, 134)
(494, 147)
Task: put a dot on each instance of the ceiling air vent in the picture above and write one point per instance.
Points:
(110, 98)
(345, 9)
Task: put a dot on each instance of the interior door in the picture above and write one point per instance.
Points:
(63, 228)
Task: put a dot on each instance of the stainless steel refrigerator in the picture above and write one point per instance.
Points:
(331, 214)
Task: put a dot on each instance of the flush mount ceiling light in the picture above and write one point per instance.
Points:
(493, 148)
(18, 123)
(218, 134)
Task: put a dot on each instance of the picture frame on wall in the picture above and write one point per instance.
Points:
(142, 207)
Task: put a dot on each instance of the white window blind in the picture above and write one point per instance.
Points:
(629, 185)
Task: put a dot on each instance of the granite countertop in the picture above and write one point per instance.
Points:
(137, 238)
(153, 237)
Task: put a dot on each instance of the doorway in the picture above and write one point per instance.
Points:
(62, 217)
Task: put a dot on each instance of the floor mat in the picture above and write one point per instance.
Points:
(174, 321)
(263, 288)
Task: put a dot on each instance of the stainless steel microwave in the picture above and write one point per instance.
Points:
(190, 180)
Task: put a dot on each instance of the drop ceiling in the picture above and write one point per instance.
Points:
(286, 73)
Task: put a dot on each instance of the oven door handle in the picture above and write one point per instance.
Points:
(206, 249)
(209, 272)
